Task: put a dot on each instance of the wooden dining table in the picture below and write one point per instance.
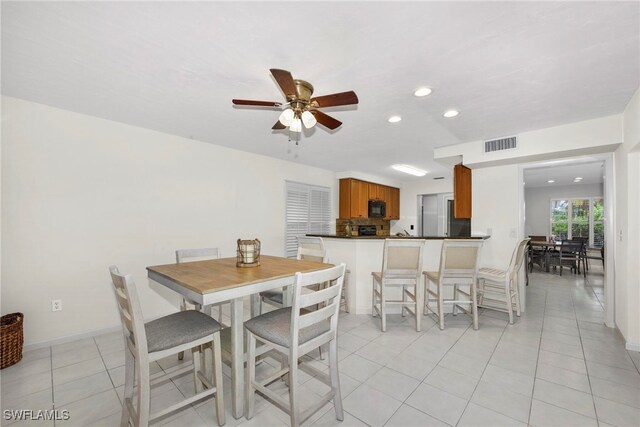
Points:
(219, 280)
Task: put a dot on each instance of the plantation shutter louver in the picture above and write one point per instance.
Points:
(307, 210)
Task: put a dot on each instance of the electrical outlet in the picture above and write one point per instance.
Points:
(56, 305)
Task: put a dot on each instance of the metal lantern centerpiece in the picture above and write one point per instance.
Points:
(248, 253)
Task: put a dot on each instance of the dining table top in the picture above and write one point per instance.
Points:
(215, 275)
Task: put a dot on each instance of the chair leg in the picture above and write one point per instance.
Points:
(440, 307)
(474, 304)
(383, 309)
(480, 291)
(516, 296)
(183, 307)
(404, 301)
(293, 390)
(345, 293)
(335, 379)
(197, 362)
(417, 293)
(217, 378)
(144, 393)
(425, 310)
(129, 375)
(455, 298)
(507, 291)
(373, 297)
(250, 390)
(320, 352)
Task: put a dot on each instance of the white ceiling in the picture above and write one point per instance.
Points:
(174, 67)
(591, 172)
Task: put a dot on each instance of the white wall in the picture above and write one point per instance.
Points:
(627, 227)
(80, 193)
(537, 204)
(409, 201)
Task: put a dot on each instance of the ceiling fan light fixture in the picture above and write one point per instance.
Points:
(296, 125)
(308, 119)
(410, 170)
(286, 117)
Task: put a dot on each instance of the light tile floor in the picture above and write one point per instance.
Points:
(558, 365)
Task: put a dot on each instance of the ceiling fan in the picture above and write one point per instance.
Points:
(301, 108)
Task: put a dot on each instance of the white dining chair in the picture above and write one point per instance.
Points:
(458, 267)
(309, 249)
(293, 332)
(155, 340)
(401, 268)
(498, 289)
(191, 255)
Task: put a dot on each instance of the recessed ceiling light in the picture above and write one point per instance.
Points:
(551, 181)
(394, 119)
(409, 169)
(450, 113)
(578, 178)
(423, 91)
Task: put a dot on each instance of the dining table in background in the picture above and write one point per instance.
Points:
(219, 280)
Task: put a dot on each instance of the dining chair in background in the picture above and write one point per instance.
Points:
(155, 340)
(498, 289)
(293, 332)
(309, 249)
(401, 268)
(191, 255)
(458, 267)
(568, 255)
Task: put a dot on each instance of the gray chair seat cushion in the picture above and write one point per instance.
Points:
(179, 328)
(275, 296)
(275, 327)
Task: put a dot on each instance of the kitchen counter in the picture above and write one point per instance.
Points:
(334, 236)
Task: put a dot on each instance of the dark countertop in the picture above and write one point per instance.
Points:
(333, 236)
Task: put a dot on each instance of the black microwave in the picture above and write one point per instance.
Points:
(377, 209)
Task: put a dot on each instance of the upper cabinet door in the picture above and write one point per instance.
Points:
(393, 203)
(374, 191)
(359, 199)
(461, 192)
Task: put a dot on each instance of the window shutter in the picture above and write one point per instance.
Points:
(307, 210)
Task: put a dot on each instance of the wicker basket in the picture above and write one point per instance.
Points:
(11, 339)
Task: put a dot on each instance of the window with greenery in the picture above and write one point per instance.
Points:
(578, 218)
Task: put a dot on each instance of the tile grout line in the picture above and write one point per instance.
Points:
(535, 373)
(481, 375)
(593, 399)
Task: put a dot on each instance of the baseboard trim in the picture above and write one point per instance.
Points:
(42, 344)
(632, 346)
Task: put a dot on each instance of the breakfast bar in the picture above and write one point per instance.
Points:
(363, 255)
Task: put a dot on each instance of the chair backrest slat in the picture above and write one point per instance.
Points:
(129, 309)
(311, 249)
(186, 255)
(314, 298)
(316, 316)
(402, 257)
(459, 257)
(518, 257)
(330, 296)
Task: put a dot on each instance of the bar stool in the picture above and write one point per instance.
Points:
(168, 335)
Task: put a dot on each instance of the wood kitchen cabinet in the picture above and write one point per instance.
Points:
(393, 203)
(355, 196)
(461, 192)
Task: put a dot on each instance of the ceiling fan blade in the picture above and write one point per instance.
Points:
(285, 81)
(257, 103)
(335, 99)
(326, 120)
(278, 125)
